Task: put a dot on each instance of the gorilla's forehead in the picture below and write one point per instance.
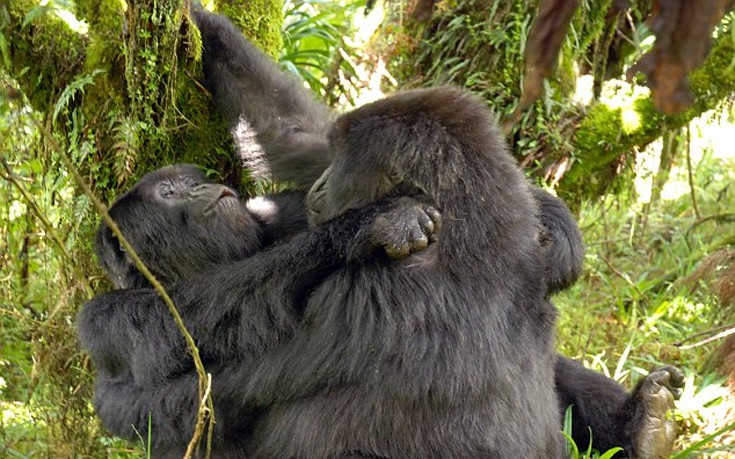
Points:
(173, 172)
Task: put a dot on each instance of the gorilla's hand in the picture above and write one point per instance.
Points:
(654, 435)
(409, 226)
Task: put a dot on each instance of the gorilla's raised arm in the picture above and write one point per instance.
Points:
(248, 87)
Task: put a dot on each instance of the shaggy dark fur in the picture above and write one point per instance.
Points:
(560, 236)
(255, 96)
(448, 354)
(251, 92)
(201, 241)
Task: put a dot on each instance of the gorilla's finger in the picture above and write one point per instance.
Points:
(397, 251)
(436, 220)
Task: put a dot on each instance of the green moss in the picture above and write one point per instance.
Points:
(598, 133)
(45, 54)
(606, 134)
(715, 79)
(260, 20)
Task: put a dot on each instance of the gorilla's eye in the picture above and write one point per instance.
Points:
(190, 182)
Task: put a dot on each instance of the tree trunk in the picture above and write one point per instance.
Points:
(582, 150)
(119, 93)
(129, 84)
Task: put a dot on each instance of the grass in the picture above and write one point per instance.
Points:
(642, 291)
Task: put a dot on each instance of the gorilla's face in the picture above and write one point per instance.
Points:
(179, 223)
(354, 180)
(184, 189)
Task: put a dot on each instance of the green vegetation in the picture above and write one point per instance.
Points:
(650, 280)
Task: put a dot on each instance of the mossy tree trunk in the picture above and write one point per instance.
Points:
(130, 80)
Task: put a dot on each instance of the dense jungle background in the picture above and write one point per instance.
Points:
(624, 108)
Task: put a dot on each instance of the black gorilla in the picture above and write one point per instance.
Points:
(235, 70)
(191, 233)
(449, 354)
(124, 404)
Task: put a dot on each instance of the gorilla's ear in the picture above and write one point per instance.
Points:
(120, 270)
(561, 239)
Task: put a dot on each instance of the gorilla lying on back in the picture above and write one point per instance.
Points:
(201, 242)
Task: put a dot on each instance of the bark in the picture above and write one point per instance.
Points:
(128, 83)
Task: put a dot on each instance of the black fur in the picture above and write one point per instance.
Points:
(448, 354)
(251, 91)
(236, 303)
(563, 242)
(637, 421)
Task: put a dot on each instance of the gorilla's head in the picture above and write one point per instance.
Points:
(179, 223)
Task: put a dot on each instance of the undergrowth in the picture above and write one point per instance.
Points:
(643, 291)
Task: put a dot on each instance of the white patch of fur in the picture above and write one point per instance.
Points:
(251, 153)
(264, 208)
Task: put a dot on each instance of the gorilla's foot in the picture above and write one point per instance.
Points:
(654, 430)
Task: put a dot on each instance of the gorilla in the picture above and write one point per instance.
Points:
(189, 232)
(238, 76)
(615, 416)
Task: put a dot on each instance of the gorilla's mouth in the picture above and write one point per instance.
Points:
(226, 200)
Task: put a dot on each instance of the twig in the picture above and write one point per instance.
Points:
(730, 330)
(10, 176)
(621, 275)
(691, 175)
(702, 333)
(205, 411)
(728, 217)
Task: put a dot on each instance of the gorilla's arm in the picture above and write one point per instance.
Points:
(289, 123)
(126, 410)
(263, 293)
(234, 312)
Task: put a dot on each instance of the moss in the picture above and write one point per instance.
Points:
(260, 20)
(606, 135)
(603, 140)
(715, 79)
(45, 54)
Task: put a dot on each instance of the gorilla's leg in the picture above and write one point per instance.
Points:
(637, 421)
